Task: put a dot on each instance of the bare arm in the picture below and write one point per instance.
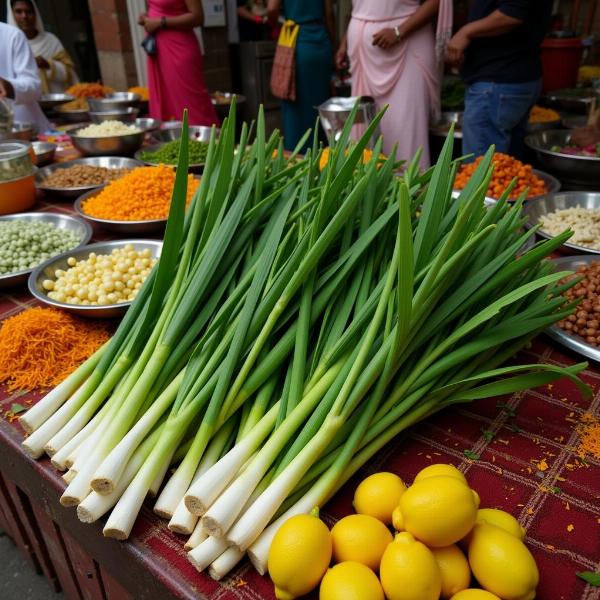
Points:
(193, 18)
(496, 23)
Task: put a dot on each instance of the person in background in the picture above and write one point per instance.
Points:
(313, 63)
(55, 66)
(176, 71)
(393, 58)
(19, 79)
(253, 22)
(499, 51)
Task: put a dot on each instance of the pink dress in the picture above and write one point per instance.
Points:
(176, 71)
(406, 77)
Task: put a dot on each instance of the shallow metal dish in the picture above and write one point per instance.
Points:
(114, 101)
(148, 124)
(110, 162)
(441, 127)
(572, 341)
(115, 145)
(571, 100)
(51, 101)
(574, 121)
(576, 170)
(125, 115)
(535, 211)
(193, 168)
(73, 116)
(129, 227)
(197, 133)
(44, 152)
(543, 126)
(61, 221)
(47, 270)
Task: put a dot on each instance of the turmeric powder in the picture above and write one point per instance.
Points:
(589, 436)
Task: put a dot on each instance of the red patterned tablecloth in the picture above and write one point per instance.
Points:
(529, 464)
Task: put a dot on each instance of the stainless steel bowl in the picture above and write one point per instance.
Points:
(198, 133)
(125, 115)
(225, 98)
(571, 340)
(441, 127)
(47, 270)
(543, 126)
(73, 116)
(574, 121)
(115, 145)
(110, 162)
(193, 168)
(574, 170)
(80, 227)
(115, 101)
(535, 211)
(148, 124)
(570, 100)
(44, 152)
(22, 131)
(128, 227)
(51, 101)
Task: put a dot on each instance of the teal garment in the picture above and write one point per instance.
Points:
(314, 62)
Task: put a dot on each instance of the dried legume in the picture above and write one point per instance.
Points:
(585, 223)
(82, 175)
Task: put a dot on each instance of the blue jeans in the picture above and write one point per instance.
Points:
(497, 113)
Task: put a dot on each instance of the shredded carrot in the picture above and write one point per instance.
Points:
(144, 194)
(39, 347)
(89, 90)
(589, 436)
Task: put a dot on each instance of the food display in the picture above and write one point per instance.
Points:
(585, 223)
(142, 195)
(83, 176)
(506, 168)
(107, 129)
(15, 161)
(142, 92)
(74, 105)
(100, 279)
(592, 150)
(89, 90)
(539, 114)
(25, 244)
(169, 153)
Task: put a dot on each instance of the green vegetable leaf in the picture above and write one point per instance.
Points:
(590, 577)
(487, 434)
(555, 490)
(471, 455)
(15, 409)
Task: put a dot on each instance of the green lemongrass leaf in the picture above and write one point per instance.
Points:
(405, 289)
(260, 157)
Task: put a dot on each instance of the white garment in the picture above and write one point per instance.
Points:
(17, 66)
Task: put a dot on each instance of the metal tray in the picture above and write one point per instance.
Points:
(193, 168)
(60, 221)
(574, 342)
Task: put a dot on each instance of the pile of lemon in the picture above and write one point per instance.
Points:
(444, 542)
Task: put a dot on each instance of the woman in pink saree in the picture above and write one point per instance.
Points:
(395, 58)
(176, 71)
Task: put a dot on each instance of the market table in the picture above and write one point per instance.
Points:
(521, 453)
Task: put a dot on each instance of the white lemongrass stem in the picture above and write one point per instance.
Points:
(222, 565)
(69, 476)
(197, 537)
(160, 475)
(207, 489)
(206, 552)
(107, 475)
(35, 443)
(53, 400)
(187, 473)
(253, 521)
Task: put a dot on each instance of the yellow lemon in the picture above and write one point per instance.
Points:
(299, 556)
(438, 511)
(350, 581)
(502, 564)
(397, 519)
(500, 518)
(378, 495)
(474, 594)
(409, 571)
(440, 469)
(360, 538)
(454, 569)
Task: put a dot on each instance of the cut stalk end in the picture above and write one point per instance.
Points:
(69, 500)
(26, 424)
(115, 533)
(165, 514)
(103, 485)
(195, 506)
(212, 527)
(32, 450)
(85, 515)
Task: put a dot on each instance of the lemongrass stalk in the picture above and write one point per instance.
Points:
(211, 484)
(96, 505)
(226, 509)
(197, 537)
(69, 476)
(109, 471)
(53, 400)
(251, 524)
(206, 552)
(222, 565)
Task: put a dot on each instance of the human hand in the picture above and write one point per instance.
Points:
(142, 19)
(6, 89)
(385, 38)
(151, 25)
(42, 63)
(455, 50)
(341, 56)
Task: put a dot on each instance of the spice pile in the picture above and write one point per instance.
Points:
(107, 129)
(89, 90)
(142, 92)
(26, 244)
(77, 104)
(39, 347)
(585, 223)
(101, 279)
(169, 153)
(82, 175)
(506, 168)
(540, 114)
(142, 195)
